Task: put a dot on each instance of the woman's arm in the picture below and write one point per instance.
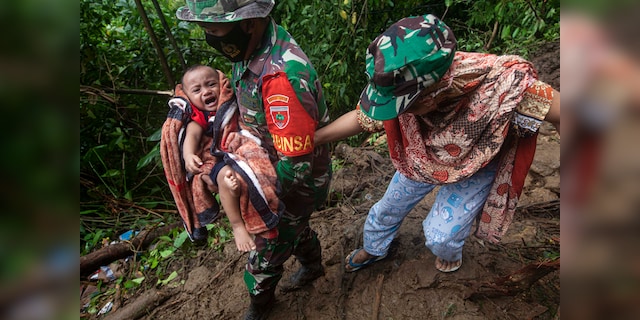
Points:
(553, 115)
(345, 126)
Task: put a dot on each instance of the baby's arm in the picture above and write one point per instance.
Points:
(193, 134)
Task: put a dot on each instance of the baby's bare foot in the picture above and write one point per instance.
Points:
(232, 182)
(243, 240)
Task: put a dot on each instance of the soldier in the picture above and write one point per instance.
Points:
(281, 102)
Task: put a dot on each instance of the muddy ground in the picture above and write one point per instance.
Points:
(405, 285)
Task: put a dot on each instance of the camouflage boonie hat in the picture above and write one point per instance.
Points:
(224, 10)
(409, 56)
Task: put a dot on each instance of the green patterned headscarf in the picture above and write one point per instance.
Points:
(411, 55)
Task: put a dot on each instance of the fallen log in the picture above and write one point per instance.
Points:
(512, 284)
(140, 306)
(94, 260)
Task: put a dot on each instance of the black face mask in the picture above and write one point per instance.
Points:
(233, 45)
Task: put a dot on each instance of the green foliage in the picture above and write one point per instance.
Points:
(119, 167)
(172, 276)
(163, 249)
(551, 255)
(92, 240)
(115, 50)
(155, 267)
(504, 26)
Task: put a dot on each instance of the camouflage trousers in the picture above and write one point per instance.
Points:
(295, 237)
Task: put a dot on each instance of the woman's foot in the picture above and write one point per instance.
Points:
(359, 259)
(447, 266)
(244, 241)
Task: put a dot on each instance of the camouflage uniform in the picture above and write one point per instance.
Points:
(280, 101)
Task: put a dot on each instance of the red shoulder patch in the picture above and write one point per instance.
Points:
(291, 126)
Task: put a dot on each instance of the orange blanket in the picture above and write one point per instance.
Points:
(259, 203)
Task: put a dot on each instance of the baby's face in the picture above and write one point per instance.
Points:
(202, 88)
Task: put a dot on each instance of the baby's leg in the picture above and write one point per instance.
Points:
(210, 185)
(211, 178)
(231, 204)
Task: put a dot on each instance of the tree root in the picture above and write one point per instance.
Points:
(512, 284)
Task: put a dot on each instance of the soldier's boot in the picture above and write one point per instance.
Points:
(261, 305)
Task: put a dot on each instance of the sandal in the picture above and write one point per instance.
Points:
(352, 266)
(457, 265)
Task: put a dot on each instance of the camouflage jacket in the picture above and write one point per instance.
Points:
(280, 100)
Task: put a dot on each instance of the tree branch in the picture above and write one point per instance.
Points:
(493, 36)
(103, 92)
(156, 45)
(167, 30)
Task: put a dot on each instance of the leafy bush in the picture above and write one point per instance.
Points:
(505, 27)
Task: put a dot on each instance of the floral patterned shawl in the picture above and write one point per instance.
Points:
(475, 103)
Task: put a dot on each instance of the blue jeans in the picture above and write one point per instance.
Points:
(448, 223)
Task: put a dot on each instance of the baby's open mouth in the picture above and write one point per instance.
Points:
(211, 100)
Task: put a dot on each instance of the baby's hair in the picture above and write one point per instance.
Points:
(193, 68)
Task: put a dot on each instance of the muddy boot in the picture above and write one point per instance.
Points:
(305, 275)
(260, 306)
